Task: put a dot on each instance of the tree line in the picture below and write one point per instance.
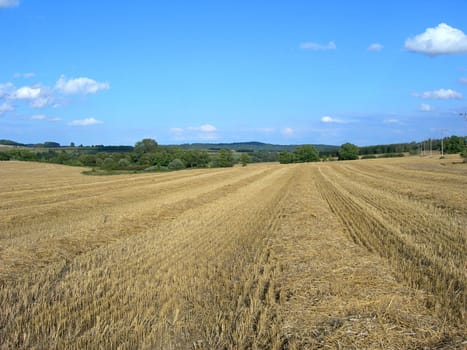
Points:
(146, 155)
(349, 151)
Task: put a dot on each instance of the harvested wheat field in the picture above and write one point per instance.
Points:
(367, 254)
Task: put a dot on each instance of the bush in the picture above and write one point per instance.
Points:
(244, 159)
(464, 155)
(348, 151)
(286, 158)
(108, 164)
(123, 163)
(4, 156)
(369, 156)
(306, 153)
(225, 159)
(391, 155)
(176, 164)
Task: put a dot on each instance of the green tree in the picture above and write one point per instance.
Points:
(123, 163)
(225, 158)
(147, 159)
(4, 156)
(286, 158)
(145, 146)
(455, 144)
(306, 153)
(109, 164)
(87, 159)
(244, 159)
(348, 151)
(49, 144)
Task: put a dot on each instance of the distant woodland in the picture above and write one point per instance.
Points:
(148, 155)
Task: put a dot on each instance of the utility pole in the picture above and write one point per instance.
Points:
(464, 115)
(442, 141)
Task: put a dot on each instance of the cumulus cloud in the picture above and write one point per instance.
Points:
(328, 119)
(38, 97)
(81, 85)
(8, 3)
(318, 47)
(85, 122)
(41, 101)
(27, 93)
(375, 47)
(441, 94)
(425, 107)
(441, 40)
(5, 107)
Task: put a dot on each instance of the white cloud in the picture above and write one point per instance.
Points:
(206, 128)
(40, 102)
(5, 107)
(375, 47)
(288, 131)
(441, 94)
(27, 93)
(318, 47)
(203, 132)
(440, 40)
(44, 117)
(6, 89)
(328, 119)
(203, 128)
(38, 97)
(39, 117)
(425, 107)
(85, 122)
(8, 3)
(80, 86)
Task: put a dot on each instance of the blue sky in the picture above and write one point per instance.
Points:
(289, 72)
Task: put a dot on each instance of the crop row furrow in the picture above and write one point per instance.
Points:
(424, 226)
(429, 191)
(17, 258)
(415, 264)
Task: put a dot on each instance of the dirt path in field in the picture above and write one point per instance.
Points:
(242, 258)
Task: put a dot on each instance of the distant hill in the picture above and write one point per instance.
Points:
(11, 143)
(247, 147)
(252, 146)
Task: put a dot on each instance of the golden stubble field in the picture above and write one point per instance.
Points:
(353, 255)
